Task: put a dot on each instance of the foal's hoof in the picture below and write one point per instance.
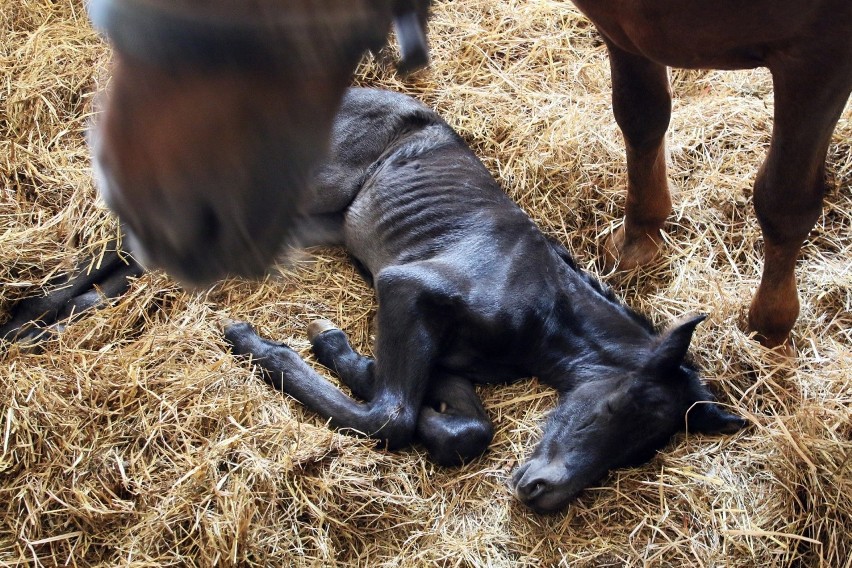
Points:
(226, 322)
(621, 253)
(318, 327)
(236, 332)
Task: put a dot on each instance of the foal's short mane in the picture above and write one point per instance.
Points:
(602, 289)
(607, 293)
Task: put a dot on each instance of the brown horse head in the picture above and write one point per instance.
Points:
(215, 116)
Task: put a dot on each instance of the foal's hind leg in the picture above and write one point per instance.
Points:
(641, 102)
(809, 97)
(33, 319)
(452, 423)
(332, 350)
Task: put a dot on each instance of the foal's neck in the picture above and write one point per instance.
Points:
(593, 335)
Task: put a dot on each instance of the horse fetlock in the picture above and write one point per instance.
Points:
(625, 250)
(772, 316)
(330, 346)
(240, 336)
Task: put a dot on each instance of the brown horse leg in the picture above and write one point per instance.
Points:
(789, 187)
(641, 102)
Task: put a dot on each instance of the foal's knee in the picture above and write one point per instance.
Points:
(394, 424)
(453, 439)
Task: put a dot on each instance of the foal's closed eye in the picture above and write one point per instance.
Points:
(586, 423)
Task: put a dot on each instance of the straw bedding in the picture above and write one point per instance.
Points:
(136, 439)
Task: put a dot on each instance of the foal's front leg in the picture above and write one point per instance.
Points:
(287, 372)
(452, 424)
(641, 102)
(405, 352)
(332, 350)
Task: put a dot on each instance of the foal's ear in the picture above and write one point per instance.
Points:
(674, 344)
(709, 418)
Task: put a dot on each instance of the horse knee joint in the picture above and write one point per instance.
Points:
(453, 440)
(643, 115)
(644, 134)
(786, 208)
(394, 425)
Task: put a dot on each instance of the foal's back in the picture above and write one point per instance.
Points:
(410, 190)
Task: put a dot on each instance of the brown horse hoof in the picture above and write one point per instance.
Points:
(781, 348)
(772, 315)
(779, 344)
(784, 353)
(318, 327)
(621, 253)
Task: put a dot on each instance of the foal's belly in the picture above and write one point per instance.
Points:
(498, 326)
(481, 367)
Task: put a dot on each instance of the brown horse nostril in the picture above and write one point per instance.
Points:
(209, 228)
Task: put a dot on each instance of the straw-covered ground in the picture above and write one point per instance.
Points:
(136, 438)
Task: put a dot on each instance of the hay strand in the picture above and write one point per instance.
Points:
(136, 439)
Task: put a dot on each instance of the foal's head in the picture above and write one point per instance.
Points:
(619, 414)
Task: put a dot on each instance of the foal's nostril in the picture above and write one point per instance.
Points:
(532, 489)
(538, 488)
